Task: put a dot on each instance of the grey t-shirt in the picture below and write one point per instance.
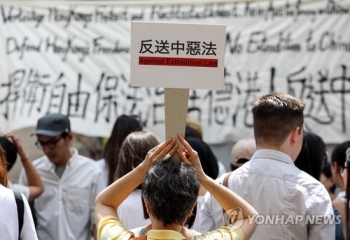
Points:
(59, 170)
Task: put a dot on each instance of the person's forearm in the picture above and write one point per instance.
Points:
(117, 192)
(227, 198)
(35, 184)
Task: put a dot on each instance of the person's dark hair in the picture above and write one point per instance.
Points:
(171, 190)
(347, 190)
(64, 135)
(312, 156)
(133, 151)
(338, 153)
(275, 116)
(206, 156)
(327, 171)
(10, 151)
(241, 161)
(191, 132)
(123, 126)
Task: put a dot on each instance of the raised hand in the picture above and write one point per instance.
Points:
(190, 157)
(159, 152)
(18, 145)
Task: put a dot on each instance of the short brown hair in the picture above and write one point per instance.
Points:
(275, 116)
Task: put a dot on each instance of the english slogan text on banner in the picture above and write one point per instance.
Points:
(58, 56)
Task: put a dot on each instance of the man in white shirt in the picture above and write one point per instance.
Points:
(65, 210)
(291, 203)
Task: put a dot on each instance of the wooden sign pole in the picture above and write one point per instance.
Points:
(176, 105)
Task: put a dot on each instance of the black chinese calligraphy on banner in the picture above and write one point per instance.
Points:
(75, 59)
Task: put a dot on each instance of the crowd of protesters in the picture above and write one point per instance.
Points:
(282, 184)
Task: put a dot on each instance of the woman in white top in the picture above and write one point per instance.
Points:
(9, 225)
(132, 152)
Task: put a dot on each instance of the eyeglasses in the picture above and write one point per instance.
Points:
(50, 144)
(342, 170)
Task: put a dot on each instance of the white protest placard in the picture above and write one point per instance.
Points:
(170, 55)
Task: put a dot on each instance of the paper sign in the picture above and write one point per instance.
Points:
(177, 55)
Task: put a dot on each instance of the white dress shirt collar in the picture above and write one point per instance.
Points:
(70, 163)
(273, 154)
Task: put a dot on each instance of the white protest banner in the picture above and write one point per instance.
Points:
(173, 55)
(74, 58)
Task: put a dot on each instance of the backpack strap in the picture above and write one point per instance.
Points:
(20, 212)
(225, 183)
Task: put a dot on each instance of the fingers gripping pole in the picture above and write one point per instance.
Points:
(176, 104)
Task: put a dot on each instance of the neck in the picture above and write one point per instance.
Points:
(183, 230)
(281, 148)
(157, 225)
(65, 160)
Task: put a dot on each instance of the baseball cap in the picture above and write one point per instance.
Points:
(52, 125)
(243, 149)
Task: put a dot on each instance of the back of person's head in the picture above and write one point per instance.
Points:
(3, 170)
(133, 151)
(326, 170)
(123, 126)
(195, 125)
(191, 132)
(242, 152)
(275, 116)
(338, 153)
(10, 152)
(206, 156)
(312, 156)
(170, 191)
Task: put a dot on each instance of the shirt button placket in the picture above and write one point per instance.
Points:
(59, 196)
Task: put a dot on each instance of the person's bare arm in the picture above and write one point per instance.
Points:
(35, 184)
(226, 198)
(111, 197)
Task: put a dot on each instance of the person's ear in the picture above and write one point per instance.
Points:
(148, 207)
(69, 137)
(295, 133)
(336, 167)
